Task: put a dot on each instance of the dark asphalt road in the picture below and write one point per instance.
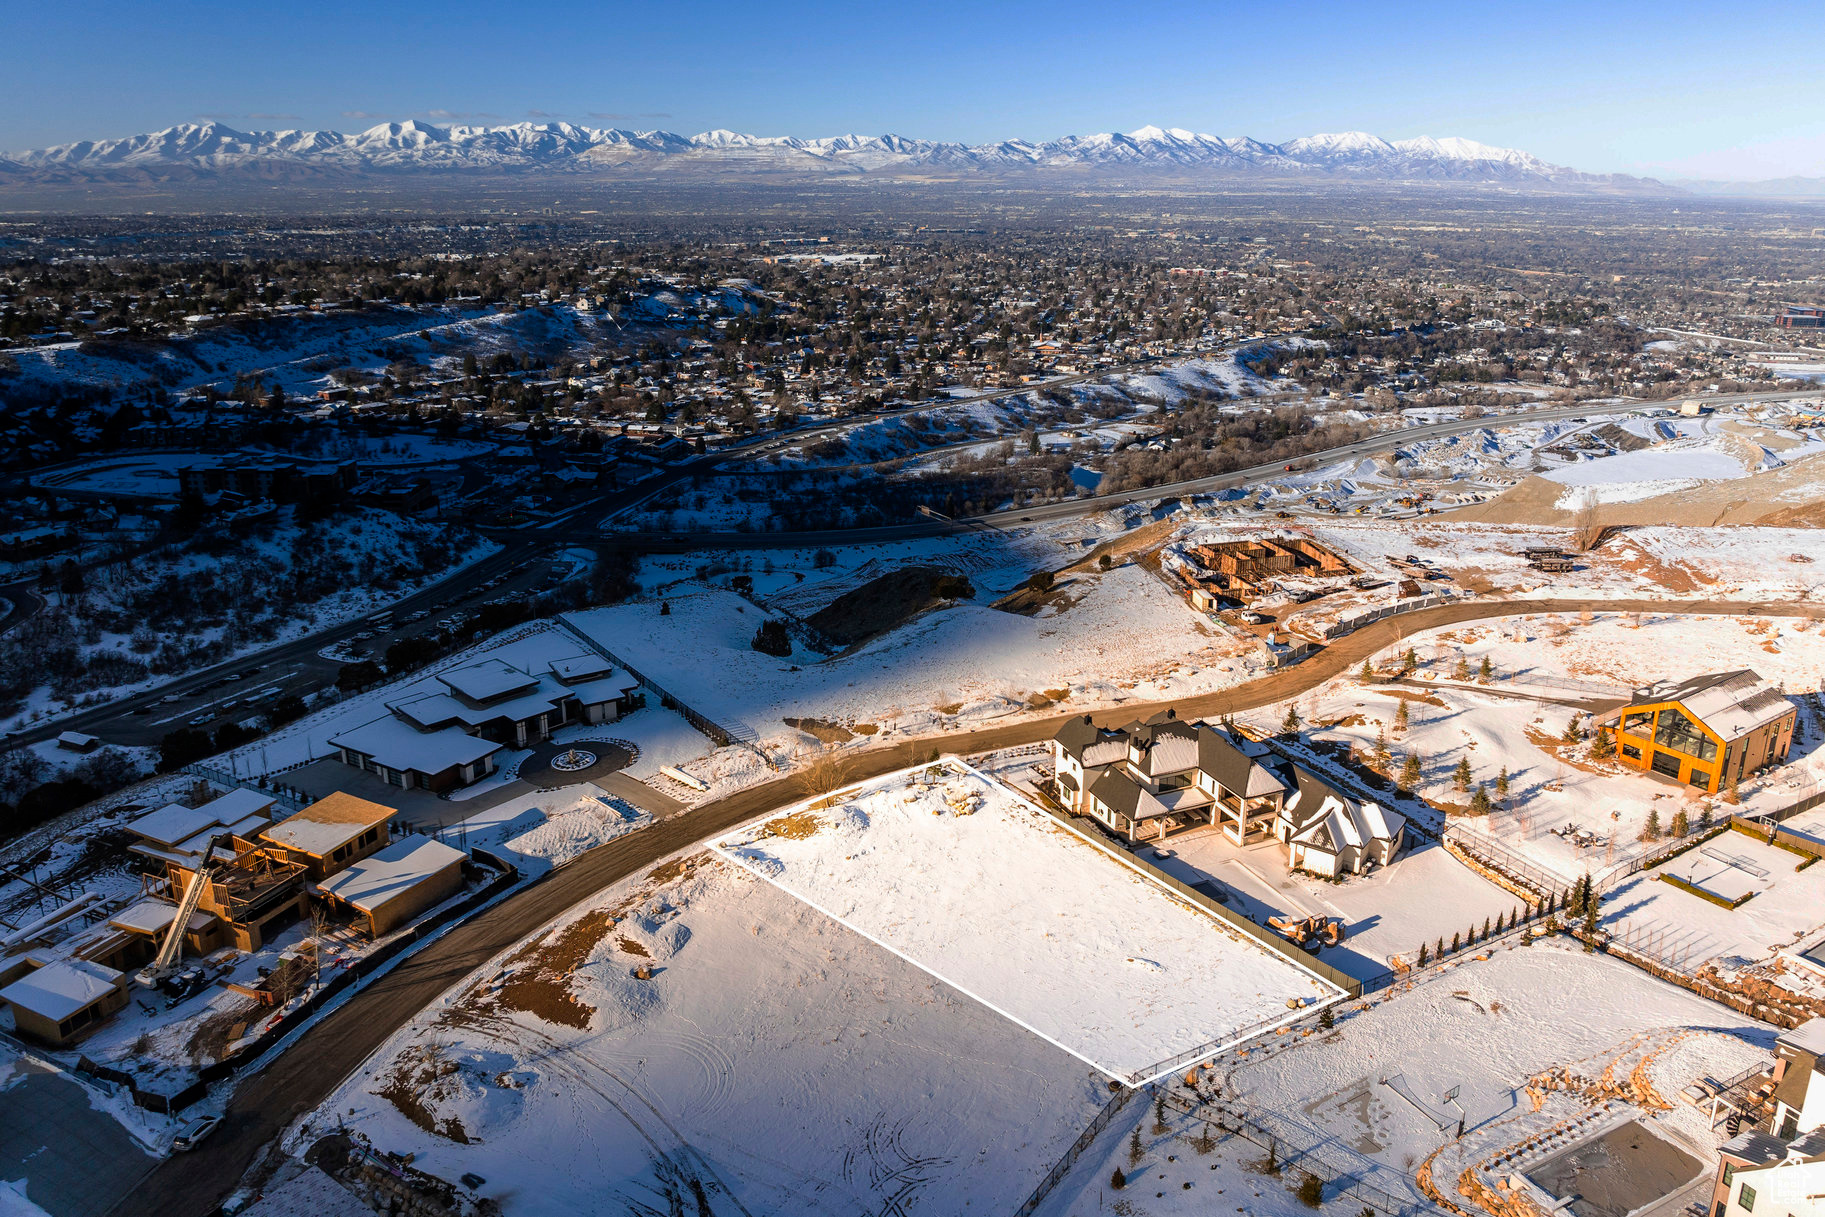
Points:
(336, 1046)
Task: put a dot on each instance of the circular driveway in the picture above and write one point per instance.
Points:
(538, 770)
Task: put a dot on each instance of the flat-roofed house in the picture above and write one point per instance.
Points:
(332, 833)
(63, 1001)
(392, 886)
(412, 758)
(1706, 731)
(446, 735)
(176, 833)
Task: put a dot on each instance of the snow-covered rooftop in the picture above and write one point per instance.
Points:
(170, 824)
(328, 824)
(1730, 703)
(152, 916)
(399, 745)
(488, 679)
(393, 871)
(60, 989)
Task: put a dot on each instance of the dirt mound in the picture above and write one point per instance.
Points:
(888, 602)
(1792, 496)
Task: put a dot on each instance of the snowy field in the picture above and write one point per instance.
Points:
(1118, 636)
(960, 875)
(1785, 904)
(773, 1064)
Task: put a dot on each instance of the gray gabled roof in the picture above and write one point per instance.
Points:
(1232, 768)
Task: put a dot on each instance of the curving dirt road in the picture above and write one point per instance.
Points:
(334, 1047)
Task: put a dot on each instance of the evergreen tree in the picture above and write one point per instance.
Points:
(1486, 929)
(1501, 784)
(1574, 730)
(1326, 1019)
(1462, 671)
(1479, 802)
(1461, 775)
(1311, 1191)
(1409, 662)
(1403, 718)
(1603, 746)
(1732, 795)
(1134, 1147)
(1381, 747)
(1367, 675)
(1290, 724)
(1651, 831)
(1486, 671)
(1457, 941)
(1423, 956)
(1440, 953)
(1410, 772)
(1680, 825)
(1704, 818)
(1118, 1181)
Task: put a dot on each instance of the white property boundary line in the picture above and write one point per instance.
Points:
(1133, 1081)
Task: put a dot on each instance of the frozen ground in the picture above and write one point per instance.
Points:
(773, 1063)
(960, 875)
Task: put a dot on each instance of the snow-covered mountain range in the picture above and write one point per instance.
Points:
(204, 150)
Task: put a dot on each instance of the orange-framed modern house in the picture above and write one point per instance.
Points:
(1705, 731)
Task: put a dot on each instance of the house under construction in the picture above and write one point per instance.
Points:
(1242, 570)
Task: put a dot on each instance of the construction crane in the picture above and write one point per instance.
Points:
(173, 947)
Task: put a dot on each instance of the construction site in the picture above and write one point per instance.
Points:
(1232, 573)
(235, 914)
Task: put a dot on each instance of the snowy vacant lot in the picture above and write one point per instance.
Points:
(771, 1064)
(1122, 634)
(960, 875)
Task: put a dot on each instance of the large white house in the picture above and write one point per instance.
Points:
(1150, 779)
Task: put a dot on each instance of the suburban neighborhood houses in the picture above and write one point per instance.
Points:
(554, 666)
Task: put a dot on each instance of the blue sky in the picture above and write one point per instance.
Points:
(1671, 89)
